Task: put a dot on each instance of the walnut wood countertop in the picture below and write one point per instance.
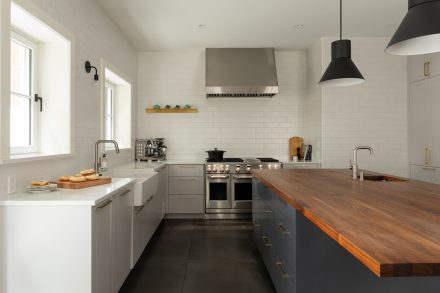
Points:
(391, 227)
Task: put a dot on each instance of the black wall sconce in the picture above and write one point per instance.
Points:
(89, 67)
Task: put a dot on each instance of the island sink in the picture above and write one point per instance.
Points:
(383, 178)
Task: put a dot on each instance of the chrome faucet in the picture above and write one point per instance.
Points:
(97, 162)
(355, 166)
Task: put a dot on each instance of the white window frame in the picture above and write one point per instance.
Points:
(29, 43)
(112, 115)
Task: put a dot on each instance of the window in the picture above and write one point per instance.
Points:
(109, 111)
(40, 58)
(116, 107)
(23, 116)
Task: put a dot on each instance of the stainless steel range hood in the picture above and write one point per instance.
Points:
(241, 72)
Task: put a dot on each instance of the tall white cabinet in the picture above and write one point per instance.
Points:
(424, 117)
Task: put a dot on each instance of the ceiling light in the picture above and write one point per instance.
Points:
(419, 32)
(202, 25)
(341, 71)
(298, 26)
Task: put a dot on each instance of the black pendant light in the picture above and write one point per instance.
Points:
(419, 32)
(341, 71)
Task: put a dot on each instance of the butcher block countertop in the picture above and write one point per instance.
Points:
(393, 228)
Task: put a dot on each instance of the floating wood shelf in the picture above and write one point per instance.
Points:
(173, 110)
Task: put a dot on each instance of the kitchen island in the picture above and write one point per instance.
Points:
(349, 235)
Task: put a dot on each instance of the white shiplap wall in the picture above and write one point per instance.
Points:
(240, 126)
(374, 113)
(96, 36)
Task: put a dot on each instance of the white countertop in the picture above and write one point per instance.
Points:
(156, 165)
(80, 197)
(301, 162)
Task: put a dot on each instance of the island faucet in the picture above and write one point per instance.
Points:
(355, 166)
(97, 163)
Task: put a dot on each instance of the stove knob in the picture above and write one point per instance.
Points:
(261, 166)
(275, 167)
(237, 169)
(248, 168)
(214, 169)
(227, 168)
(269, 166)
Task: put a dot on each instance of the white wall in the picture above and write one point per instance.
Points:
(314, 99)
(240, 126)
(96, 36)
(374, 113)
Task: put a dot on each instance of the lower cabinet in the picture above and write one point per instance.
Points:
(186, 190)
(425, 173)
(112, 242)
(275, 236)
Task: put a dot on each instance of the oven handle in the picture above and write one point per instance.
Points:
(218, 177)
(241, 177)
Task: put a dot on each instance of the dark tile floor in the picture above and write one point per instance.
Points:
(192, 256)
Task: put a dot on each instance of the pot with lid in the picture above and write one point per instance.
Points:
(215, 155)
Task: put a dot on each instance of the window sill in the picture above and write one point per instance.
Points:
(113, 151)
(35, 157)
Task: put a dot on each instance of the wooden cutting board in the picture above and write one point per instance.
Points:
(85, 184)
(294, 143)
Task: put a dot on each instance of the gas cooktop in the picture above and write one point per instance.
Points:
(226, 160)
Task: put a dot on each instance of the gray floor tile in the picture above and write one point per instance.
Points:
(200, 256)
(222, 249)
(157, 277)
(226, 277)
(173, 249)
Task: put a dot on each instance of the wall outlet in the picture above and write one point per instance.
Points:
(12, 184)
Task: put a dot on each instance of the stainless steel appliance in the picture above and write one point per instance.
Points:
(150, 149)
(229, 186)
(241, 72)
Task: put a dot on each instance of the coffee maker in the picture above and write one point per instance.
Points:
(153, 149)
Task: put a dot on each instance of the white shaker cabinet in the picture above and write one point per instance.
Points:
(418, 122)
(186, 188)
(102, 269)
(122, 207)
(424, 129)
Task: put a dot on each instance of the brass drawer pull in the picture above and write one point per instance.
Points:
(266, 241)
(426, 69)
(283, 271)
(283, 229)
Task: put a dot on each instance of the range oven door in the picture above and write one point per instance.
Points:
(218, 194)
(242, 192)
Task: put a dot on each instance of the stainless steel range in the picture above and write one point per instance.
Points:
(229, 186)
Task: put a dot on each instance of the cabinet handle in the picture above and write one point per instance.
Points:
(283, 229)
(426, 69)
(256, 224)
(187, 167)
(124, 193)
(430, 156)
(139, 209)
(266, 241)
(268, 211)
(283, 271)
(150, 199)
(106, 203)
(426, 156)
(186, 179)
(429, 169)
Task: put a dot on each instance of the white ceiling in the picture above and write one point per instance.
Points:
(174, 24)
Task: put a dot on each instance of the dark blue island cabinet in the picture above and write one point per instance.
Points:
(300, 258)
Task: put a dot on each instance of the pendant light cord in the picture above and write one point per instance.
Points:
(340, 19)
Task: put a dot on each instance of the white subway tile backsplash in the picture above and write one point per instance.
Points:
(241, 126)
